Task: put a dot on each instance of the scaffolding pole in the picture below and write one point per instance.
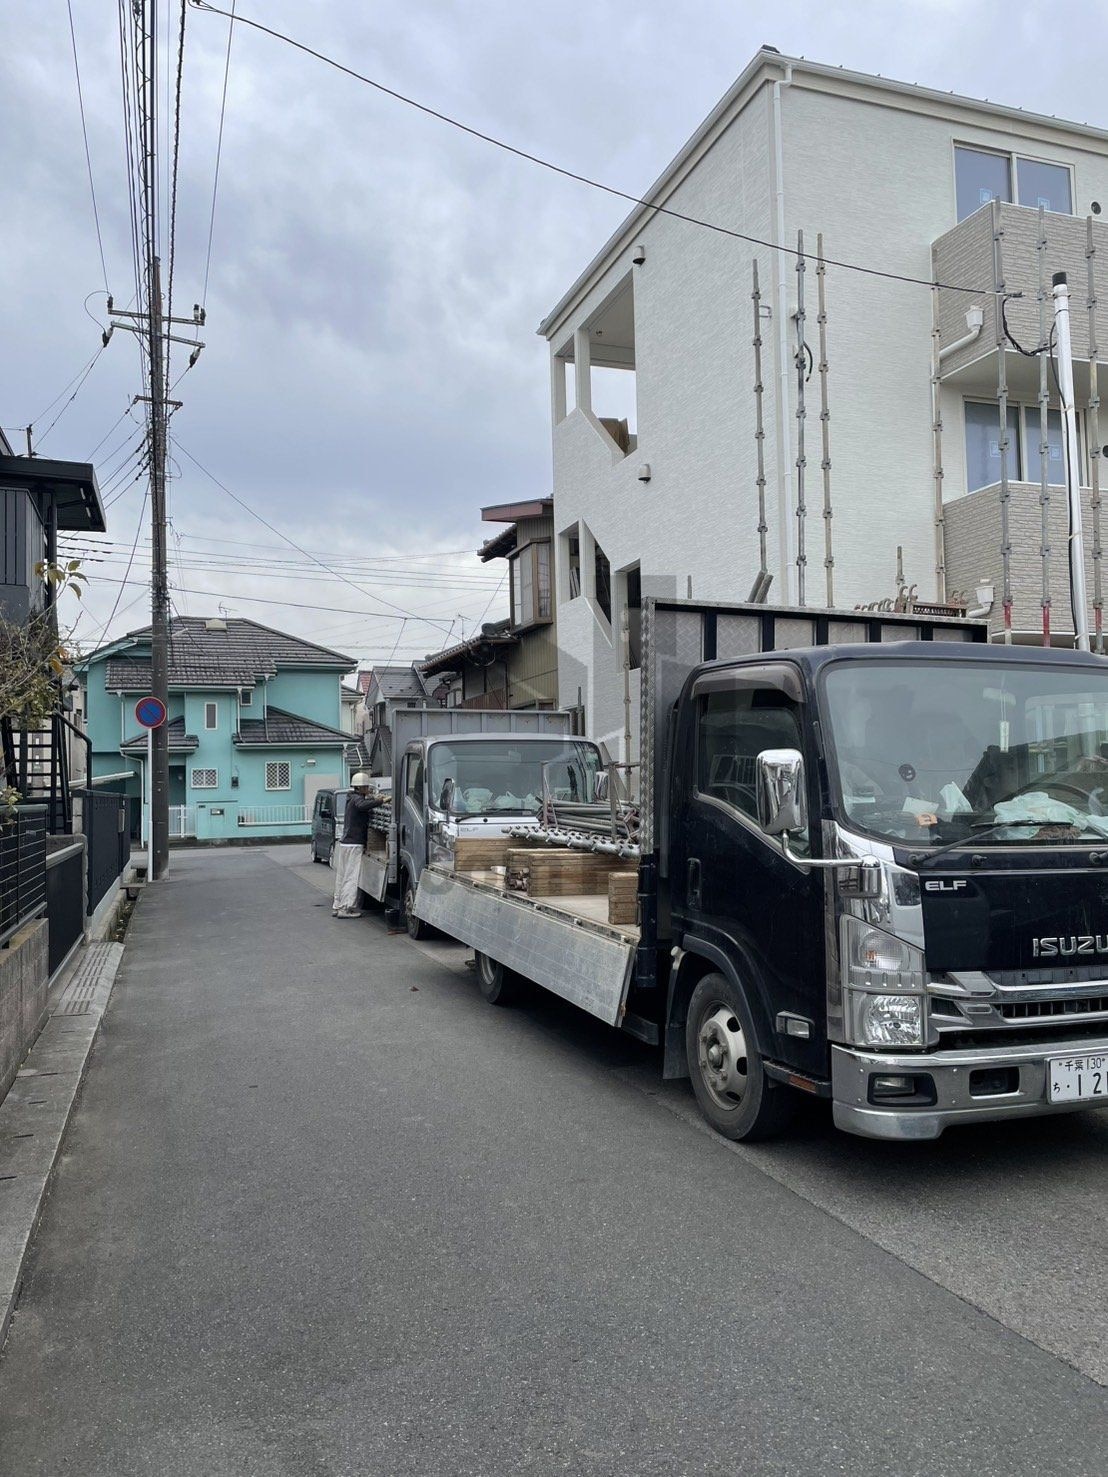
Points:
(1044, 432)
(1002, 407)
(937, 449)
(760, 430)
(1094, 436)
(801, 417)
(825, 423)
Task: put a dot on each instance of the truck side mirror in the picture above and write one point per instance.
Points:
(446, 794)
(779, 778)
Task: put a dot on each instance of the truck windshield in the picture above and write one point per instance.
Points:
(933, 753)
(504, 774)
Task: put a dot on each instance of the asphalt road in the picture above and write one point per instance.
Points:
(323, 1211)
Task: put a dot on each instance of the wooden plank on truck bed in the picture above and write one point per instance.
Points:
(623, 897)
(553, 872)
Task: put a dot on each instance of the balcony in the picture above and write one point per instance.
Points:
(964, 255)
(973, 543)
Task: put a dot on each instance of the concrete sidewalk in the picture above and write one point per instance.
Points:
(36, 1111)
(323, 1211)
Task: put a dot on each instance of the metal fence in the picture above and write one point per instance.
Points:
(273, 815)
(22, 867)
(65, 902)
(108, 836)
(182, 821)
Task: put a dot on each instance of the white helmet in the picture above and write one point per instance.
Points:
(360, 780)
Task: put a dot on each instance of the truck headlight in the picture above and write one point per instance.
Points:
(888, 1020)
(884, 987)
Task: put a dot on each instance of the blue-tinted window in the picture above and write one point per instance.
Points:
(1042, 184)
(983, 444)
(980, 177)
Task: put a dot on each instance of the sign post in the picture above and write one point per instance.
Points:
(150, 713)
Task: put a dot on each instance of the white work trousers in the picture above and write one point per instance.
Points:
(348, 870)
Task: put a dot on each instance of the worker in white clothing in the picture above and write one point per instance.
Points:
(351, 848)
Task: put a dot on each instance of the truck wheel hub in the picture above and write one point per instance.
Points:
(722, 1052)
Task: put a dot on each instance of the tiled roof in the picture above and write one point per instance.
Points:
(357, 757)
(279, 728)
(179, 740)
(398, 682)
(233, 657)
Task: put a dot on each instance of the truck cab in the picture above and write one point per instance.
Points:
(895, 856)
(460, 789)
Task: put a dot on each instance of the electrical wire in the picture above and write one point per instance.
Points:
(374, 615)
(300, 549)
(218, 152)
(134, 547)
(80, 384)
(570, 174)
(173, 191)
(84, 133)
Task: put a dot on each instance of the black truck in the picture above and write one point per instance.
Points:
(872, 868)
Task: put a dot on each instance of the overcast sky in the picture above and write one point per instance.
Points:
(372, 375)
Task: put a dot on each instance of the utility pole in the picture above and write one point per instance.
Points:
(159, 582)
(151, 327)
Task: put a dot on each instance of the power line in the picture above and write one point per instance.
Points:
(300, 549)
(124, 581)
(173, 185)
(80, 383)
(218, 150)
(581, 179)
(84, 133)
(229, 595)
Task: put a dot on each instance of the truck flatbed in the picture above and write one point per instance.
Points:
(565, 944)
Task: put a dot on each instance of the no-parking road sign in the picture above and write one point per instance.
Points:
(150, 712)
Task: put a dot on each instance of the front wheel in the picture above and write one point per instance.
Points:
(417, 929)
(499, 986)
(728, 1077)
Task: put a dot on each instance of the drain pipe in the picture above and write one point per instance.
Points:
(1073, 465)
(975, 319)
(784, 359)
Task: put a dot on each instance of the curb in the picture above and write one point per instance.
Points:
(36, 1112)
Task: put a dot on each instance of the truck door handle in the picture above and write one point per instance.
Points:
(693, 882)
(404, 834)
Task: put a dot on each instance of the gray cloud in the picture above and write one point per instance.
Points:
(372, 373)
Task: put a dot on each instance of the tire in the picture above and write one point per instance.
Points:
(315, 854)
(732, 1088)
(499, 986)
(417, 929)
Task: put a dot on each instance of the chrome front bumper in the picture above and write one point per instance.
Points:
(852, 1068)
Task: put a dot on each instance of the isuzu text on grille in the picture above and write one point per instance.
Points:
(1075, 943)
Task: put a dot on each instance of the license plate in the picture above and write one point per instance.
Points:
(1078, 1079)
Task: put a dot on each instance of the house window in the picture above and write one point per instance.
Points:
(983, 444)
(612, 378)
(278, 775)
(573, 560)
(603, 582)
(204, 779)
(1044, 184)
(632, 596)
(531, 602)
(211, 715)
(981, 175)
(246, 699)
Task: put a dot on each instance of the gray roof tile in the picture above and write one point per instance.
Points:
(279, 727)
(235, 657)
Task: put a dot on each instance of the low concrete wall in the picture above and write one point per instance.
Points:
(24, 975)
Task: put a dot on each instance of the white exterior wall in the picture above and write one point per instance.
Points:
(874, 171)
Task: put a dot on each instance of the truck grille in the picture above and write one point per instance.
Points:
(1028, 1010)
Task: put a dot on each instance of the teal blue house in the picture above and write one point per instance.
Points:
(254, 726)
